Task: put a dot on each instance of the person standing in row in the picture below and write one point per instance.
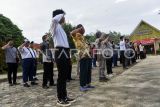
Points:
(69, 74)
(101, 58)
(84, 56)
(47, 63)
(11, 55)
(35, 61)
(27, 55)
(128, 52)
(141, 49)
(136, 48)
(61, 56)
(122, 51)
(97, 45)
(93, 53)
(115, 54)
(133, 53)
(109, 56)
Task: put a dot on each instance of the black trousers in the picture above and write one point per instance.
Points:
(35, 68)
(62, 59)
(69, 77)
(141, 55)
(12, 70)
(85, 71)
(48, 73)
(128, 62)
(123, 59)
(28, 69)
(138, 56)
(109, 65)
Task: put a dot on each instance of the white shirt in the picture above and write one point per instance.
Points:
(122, 45)
(35, 53)
(140, 48)
(58, 34)
(45, 59)
(26, 53)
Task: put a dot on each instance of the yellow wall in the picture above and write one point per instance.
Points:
(157, 44)
(144, 31)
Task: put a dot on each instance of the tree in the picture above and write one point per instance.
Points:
(68, 28)
(115, 36)
(8, 30)
(90, 37)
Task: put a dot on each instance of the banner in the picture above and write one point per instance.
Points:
(145, 41)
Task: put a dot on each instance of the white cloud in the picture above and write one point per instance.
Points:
(34, 16)
(118, 1)
(157, 10)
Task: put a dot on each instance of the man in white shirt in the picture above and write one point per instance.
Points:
(122, 45)
(27, 55)
(47, 63)
(141, 48)
(35, 60)
(61, 56)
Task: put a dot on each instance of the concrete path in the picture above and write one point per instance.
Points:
(139, 86)
(136, 87)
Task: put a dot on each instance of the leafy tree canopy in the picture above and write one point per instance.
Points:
(8, 30)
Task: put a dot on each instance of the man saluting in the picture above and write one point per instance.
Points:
(61, 56)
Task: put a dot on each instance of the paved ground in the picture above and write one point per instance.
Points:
(137, 87)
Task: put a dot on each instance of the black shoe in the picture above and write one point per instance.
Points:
(68, 80)
(72, 79)
(125, 68)
(26, 85)
(16, 83)
(70, 100)
(45, 87)
(34, 83)
(10, 84)
(103, 79)
(52, 84)
(35, 79)
(63, 103)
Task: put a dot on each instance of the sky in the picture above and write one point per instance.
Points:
(34, 16)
